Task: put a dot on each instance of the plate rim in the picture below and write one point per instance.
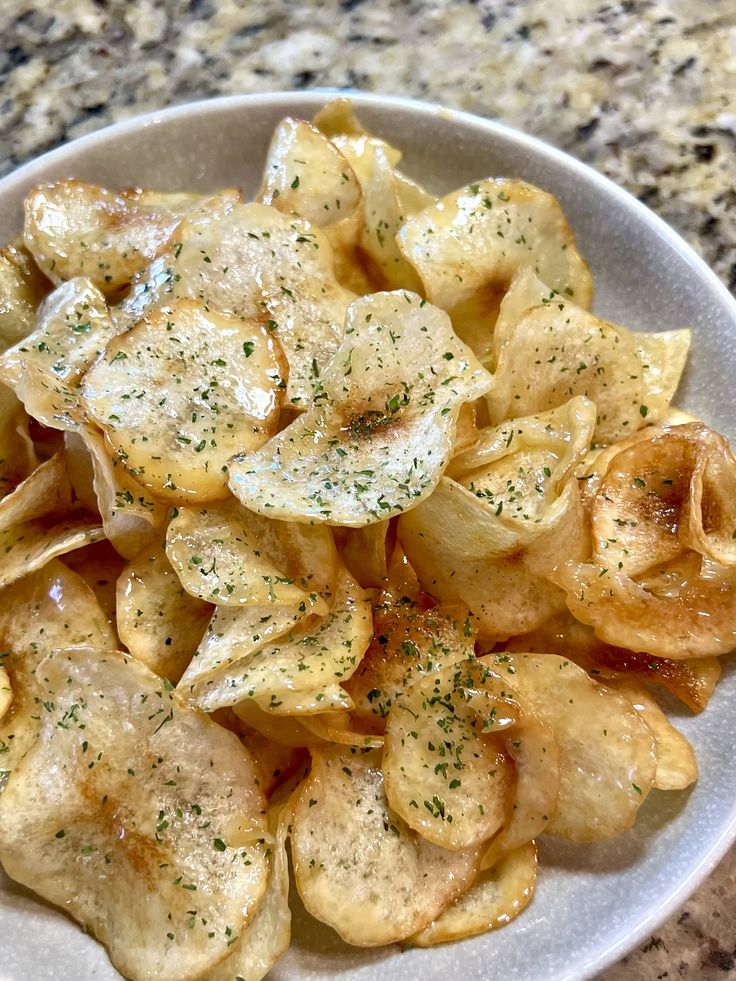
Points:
(311, 98)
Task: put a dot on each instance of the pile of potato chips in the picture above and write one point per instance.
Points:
(334, 518)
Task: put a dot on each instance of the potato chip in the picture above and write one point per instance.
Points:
(498, 569)
(226, 555)
(357, 865)
(48, 609)
(677, 767)
(681, 609)
(305, 175)
(77, 229)
(363, 551)
(131, 515)
(22, 287)
(631, 377)
(480, 235)
(368, 449)
(318, 654)
(334, 727)
(673, 491)
(37, 523)
(276, 763)
(120, 795)
(158, 621)
(494, 899)
(692, 681)
(17, 454)
(220, 380)
(99, 565)
(444, 768)
(327, 698)
(285, 731)
(267, 935)
(408, 641)
(256, 263)
(72, 328)
(607, 752)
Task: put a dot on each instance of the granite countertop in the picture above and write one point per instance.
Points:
(644, 90)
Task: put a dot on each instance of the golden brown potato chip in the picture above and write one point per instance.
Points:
(682, 609)
(77, 229)
(258, 264)
(226, 555)
(306, 175)
(308, 664)
(181, 392)
(495, 898)
(607, 752)
(22, 287)
(445, 771)
(677, 767)
(480, 235)
(357, 865)
(367, 449)
(158, 621)
(120, 795)
(48, 609)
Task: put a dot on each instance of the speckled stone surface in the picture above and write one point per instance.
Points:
(645, 91)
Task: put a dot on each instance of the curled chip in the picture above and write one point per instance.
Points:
(51, 608)
(259, 264)
(118, 816)
(557, 349)
(494, 899)
(681, 609)
(76, 229)
(300, 671)
(608, 755)
(479, 236)
(181, 392)
(357, 865)
(306, 175)
(444, 766)
(158, 621)
(226, 555)
(369, 447)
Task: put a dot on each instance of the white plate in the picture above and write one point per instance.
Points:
(593, 903)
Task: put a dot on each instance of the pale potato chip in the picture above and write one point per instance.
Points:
(71, 330)
(277, 763)
(77, 229)
(327, 698)
(682, 609)
(444, 767)
(495, 898)
(468, 432)
(120, 795)
(357, 865)
(526, 291)
(481, 235)
(258, 264)
(502, 571)
(693, 681)
(100, 566)
(17, 454)
(306, 175)
(48, 609)
(317, 655)
(558, 349)
(334, 727)
(677, 767)
(608, 755)
(286, 731)
(267, 935)
(182, 391)
(158, 621)
(235, 632)
(409, 641)
(226, 555)
(369, 448)
(363, 551)
(37, 523)
(338, 122)
(131, 515)
(22, 287)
